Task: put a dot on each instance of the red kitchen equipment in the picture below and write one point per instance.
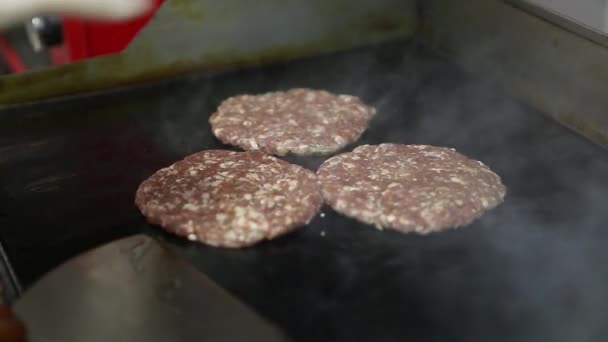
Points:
(70, 39)
(10, 56)
(86, 39)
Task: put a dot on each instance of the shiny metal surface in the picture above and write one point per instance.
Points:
(44, 32)
(551, 66)
(564, 22)
(135, 290)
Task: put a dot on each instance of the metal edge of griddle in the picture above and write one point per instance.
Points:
(533, 59)
(11, 288)
(562, 21)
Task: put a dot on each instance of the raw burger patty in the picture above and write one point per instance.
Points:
(230, 199)
(410, 188)
(298, 121)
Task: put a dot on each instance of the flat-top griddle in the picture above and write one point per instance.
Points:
(534, 269)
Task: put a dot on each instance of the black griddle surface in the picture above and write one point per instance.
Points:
(534, 269)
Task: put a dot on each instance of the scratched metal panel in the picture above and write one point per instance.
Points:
(557, 69)
(188, 35)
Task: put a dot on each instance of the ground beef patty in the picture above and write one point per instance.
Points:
(410, 188)
(298, 121)
(230, 199)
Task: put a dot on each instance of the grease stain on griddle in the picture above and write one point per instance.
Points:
(48, 184)
(22, 151)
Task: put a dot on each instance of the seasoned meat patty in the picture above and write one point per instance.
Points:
(299, 121)
(230, 199)
(410, 188)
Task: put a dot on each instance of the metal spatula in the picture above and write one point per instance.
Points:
(135, 289)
